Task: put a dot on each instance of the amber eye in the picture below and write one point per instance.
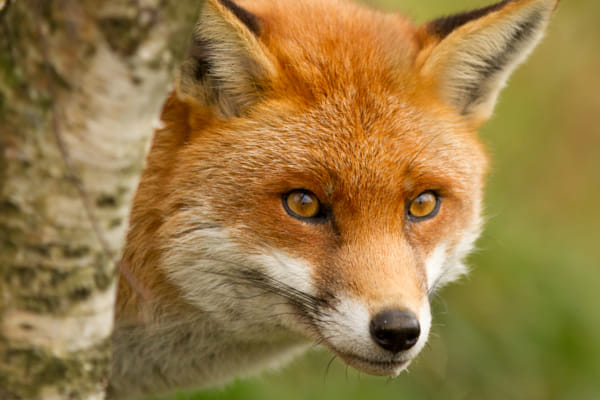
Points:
(302, 204)
(425, 205)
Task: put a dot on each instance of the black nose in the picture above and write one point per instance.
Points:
(395, 330)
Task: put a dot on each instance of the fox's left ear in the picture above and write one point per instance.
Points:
(468, 57)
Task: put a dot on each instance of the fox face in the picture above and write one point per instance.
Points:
(318, 176)
(337, 222)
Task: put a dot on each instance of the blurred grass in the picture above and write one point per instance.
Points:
(525, 324)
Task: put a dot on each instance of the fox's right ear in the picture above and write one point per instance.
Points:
(227, 66)
(468, 57)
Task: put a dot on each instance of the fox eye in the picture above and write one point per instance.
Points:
(425, 205)
(302, 203)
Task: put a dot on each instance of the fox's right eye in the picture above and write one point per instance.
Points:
(301, 204)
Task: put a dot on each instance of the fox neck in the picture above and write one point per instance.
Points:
(150, 359)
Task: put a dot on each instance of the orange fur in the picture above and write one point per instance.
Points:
(343, 101)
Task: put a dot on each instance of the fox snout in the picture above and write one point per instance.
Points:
(395, 330)
(381, 342)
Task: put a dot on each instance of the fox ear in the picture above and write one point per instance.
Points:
(468, 57)
(227, 66)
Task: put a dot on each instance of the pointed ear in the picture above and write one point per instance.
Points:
(227, 66)
(468, 57)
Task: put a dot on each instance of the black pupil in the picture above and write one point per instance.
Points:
(305, 200)
(305, 203)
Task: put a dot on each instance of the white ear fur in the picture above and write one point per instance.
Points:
(477, 52)
(227, 65)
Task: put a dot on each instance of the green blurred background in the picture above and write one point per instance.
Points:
(525, 324)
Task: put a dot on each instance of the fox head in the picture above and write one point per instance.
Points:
(318, 173)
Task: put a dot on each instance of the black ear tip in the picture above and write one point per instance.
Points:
(443, 26)
(199, 50)
(249, 19)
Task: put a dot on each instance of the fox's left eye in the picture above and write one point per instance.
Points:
(302, 203)
(425, 205)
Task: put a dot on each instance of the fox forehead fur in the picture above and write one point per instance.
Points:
(364, 111)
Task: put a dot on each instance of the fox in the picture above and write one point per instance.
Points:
(316, 178)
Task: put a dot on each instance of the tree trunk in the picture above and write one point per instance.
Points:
(81, 84)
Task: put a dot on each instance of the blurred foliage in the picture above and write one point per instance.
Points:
(525, 324)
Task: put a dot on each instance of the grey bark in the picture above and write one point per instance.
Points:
(81, 84)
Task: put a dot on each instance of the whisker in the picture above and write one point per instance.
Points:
(303, 300)
(327, 368)
(311, 306)
(346, 372)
